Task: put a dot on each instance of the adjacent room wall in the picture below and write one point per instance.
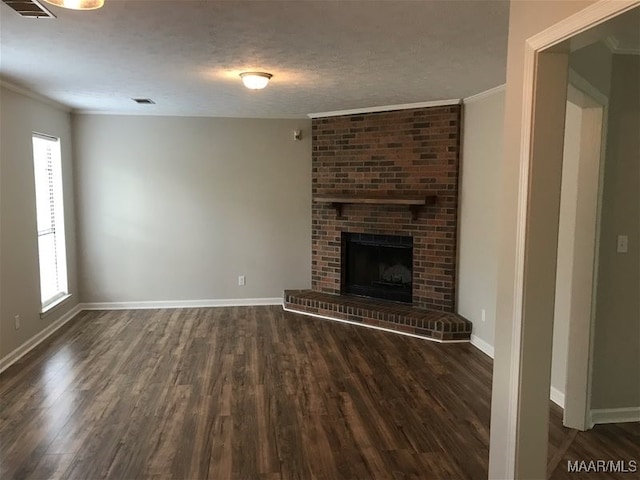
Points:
(616, 361)
(593, 63)
(176, 208)
(20, 115)
(481, 165)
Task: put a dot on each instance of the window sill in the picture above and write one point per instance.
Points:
(53, 306)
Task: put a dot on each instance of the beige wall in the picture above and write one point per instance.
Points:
(173, 208)
(527, 18)
(593, 63)
(479, 205)
(616, 362)
(19, 274)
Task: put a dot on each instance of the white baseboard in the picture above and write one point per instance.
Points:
(481, 345)
(37, 339)
(232, 302)
(557, 397)
(614, 415)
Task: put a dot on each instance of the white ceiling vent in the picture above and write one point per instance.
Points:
(29, 8)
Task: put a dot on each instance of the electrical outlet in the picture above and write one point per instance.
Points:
(484, 315)
(17, 321)
(623, 244)
(241, 280)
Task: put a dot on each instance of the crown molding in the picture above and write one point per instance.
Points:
(34, 95)
(115, 113)
(614, 47)
(387, 108)
(485, 94)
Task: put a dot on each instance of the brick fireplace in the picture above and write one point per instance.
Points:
(404, 152)
(385, 162)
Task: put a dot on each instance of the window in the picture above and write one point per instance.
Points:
(50, 218)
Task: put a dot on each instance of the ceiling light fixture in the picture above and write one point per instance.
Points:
(77, 4)
(255, 80)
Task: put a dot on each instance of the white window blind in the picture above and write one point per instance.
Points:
(50, 218)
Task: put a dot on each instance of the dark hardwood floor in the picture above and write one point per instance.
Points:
(255, 393)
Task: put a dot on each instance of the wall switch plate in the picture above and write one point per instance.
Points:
(17, 322)
(484, 315)
(241, 280)
(623, 244)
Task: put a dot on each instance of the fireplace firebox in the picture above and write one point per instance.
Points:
(378, 266)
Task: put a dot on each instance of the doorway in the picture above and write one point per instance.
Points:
(582, 167)
(527, 277)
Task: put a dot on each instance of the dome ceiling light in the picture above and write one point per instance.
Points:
(255, 80)
(77, 4)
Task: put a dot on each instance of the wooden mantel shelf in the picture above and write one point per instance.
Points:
(415, 203)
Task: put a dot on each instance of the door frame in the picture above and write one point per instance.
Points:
(579, 348)
(583, 20)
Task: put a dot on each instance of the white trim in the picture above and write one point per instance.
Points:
(580, 83)
(596, 254)
(483, 346)
(614, 415)
(53, 306)
(518, 286)
(614, 47)
(612, 43)
(37, 339)
(144, 305)
(557, 397)
(627, 51)
(387, 108)
(485, 94)
(115, 113)
(577, 23)
(359, 324)
(44, 136)
(582, 20)
(34, 95)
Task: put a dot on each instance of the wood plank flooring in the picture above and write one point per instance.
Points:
(615, 442)
(250, 393)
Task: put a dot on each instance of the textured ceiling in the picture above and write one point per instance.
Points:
(325, 55)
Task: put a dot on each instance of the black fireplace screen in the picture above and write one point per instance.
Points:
(378, 266)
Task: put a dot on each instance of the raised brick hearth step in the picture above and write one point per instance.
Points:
(394, 316)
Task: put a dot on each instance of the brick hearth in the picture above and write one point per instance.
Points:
(379, 313)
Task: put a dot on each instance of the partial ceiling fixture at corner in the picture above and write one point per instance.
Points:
(255, 80)
(77, 4)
